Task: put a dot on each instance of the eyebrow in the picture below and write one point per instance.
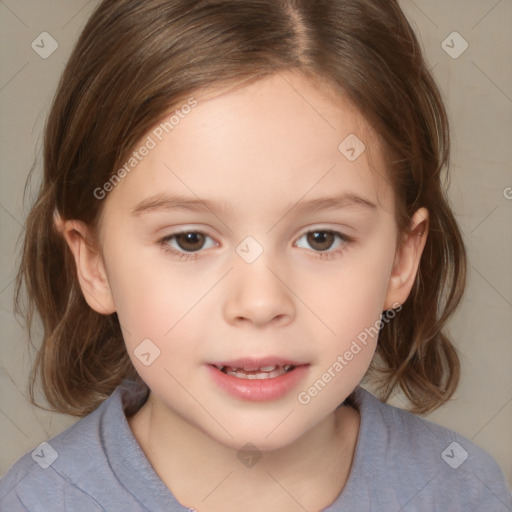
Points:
(163, 202)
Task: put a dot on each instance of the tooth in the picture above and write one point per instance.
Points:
(268, 368)
(259, 375)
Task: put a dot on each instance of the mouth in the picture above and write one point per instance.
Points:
(258, 379)
(264, 372)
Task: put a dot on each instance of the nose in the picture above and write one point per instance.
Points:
(258, 295)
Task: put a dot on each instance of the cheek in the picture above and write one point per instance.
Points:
(158, 309)
(351, 302)
(352, 310)
(353, 297)
(150, 295)
(166, 303)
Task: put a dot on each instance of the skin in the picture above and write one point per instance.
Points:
(259, 148)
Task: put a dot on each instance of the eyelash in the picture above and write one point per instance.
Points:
(164, 244)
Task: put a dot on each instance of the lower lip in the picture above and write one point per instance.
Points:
(259, 390)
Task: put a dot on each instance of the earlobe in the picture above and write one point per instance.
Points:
(407, 260)
(89, 265)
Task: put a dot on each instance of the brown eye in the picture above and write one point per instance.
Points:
(192, 241)
(322, 243)
(320, 240)
(186, 245)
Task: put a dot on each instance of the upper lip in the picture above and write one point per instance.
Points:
(252, 363)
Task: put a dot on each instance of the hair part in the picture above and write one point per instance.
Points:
(136, 60)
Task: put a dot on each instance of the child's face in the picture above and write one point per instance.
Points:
(261, 154)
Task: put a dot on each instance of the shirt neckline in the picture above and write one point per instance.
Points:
(134, 471)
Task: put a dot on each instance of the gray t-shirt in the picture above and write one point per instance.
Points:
(402, 463)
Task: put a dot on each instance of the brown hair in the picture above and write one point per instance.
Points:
(133, 62)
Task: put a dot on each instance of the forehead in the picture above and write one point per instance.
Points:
(265, 143)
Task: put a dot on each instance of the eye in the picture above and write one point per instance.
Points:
(323, 239)
(185, 243)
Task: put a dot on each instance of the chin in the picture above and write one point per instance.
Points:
(261, 438)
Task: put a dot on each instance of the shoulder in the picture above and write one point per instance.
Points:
(430, 464)
(64, 470)
(27, 487)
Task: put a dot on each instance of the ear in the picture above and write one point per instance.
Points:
(407, 260)
(89, 264)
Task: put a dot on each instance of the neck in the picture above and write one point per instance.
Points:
(207, 476)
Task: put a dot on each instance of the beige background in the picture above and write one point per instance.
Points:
(477, 86)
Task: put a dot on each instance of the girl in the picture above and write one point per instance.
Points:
(242, 218)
